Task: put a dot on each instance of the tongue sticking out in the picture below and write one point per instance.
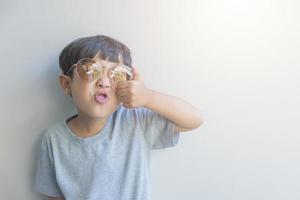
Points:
(101, 98)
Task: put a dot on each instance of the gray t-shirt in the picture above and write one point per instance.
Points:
(111, 165)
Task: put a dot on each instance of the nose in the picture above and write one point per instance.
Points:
(104, 81)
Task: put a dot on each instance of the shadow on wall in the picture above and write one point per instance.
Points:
(35, 153)
(53, 106)
(60, 102)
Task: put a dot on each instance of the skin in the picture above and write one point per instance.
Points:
(91, 115)
(133, 94)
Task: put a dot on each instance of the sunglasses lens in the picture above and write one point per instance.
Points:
(121, 73)
(87, 71)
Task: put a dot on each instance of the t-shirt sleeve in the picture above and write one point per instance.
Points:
(159, 131)
(45, 179)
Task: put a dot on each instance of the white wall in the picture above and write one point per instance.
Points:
(237, 60)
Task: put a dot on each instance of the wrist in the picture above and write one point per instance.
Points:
(149, 98)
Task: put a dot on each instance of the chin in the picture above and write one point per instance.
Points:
(102, 113)
(99, 115)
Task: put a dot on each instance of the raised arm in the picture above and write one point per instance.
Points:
(184, 115)
(134, 94)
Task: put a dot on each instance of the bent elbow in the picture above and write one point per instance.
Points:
(199, 121)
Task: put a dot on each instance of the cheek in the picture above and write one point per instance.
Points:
(80, 98)
(81, 93)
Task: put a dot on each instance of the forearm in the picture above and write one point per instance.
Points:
(175, 109)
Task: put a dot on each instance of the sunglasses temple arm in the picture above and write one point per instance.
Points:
(71, 68)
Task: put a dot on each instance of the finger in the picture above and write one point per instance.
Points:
(125, 90)
(136, 74)
(124, 99)
(126, 105)
(121, 93)
(122, 84)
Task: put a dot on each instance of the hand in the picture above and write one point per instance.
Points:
(133, 93)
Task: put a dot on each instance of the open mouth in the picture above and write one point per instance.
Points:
(101, 98)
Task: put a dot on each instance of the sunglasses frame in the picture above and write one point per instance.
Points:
(125, 69)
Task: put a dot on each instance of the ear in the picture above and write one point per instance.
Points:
(65, 83)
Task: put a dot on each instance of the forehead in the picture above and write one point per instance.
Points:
(105, 63)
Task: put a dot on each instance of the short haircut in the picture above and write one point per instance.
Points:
(88, 47)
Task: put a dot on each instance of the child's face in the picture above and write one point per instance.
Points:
(87, 95)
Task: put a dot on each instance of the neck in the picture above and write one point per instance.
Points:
(87, 127)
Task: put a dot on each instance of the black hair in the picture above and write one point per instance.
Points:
(88, 47)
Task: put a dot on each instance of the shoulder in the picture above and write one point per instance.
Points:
(52, 134)
(55, 129)
(130, 114)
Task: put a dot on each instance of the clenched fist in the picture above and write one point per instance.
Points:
(133, 93)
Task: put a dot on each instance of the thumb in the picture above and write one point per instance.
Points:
(136, 74)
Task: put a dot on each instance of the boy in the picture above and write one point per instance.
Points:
(102, 152)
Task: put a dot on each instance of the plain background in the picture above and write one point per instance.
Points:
(236, 60)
